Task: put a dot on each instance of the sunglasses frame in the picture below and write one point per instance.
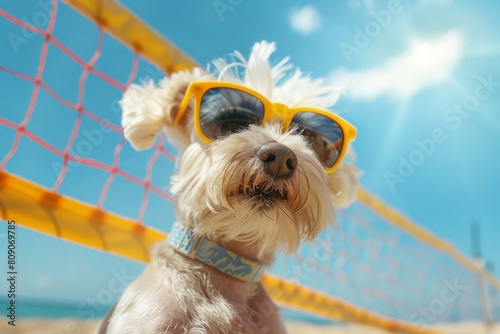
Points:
(196, 90)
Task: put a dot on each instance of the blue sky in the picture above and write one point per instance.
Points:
(401, 83)
(455, 185)
(422, 85)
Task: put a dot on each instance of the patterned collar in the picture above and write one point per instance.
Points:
(183, 239)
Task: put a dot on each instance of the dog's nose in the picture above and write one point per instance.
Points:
(278, 160)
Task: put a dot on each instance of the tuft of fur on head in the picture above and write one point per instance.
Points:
(279, 83)
(149, 108)
(218, 185)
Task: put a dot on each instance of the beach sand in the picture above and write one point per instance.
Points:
(76, 326)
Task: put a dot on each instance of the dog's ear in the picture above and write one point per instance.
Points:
(149, 108)
(344, 182)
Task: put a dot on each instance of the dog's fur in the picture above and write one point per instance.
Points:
(176, 294)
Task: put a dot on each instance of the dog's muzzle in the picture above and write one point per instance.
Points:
(277, 160)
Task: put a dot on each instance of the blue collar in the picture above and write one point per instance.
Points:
(183, 239)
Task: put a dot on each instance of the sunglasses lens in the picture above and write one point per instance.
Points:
(324, 135)
(224, 111)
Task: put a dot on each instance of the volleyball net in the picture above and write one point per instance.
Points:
(65, 169)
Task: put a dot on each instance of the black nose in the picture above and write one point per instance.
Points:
(277, 160)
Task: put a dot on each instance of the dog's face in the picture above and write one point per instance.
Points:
(256, 184)
(259, 186)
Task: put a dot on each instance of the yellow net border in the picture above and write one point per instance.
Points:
(132, 32)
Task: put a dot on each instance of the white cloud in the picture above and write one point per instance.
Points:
(305, 20)
(424, 63)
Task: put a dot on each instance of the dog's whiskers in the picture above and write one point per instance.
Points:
(279, 205)
(304, 203)
(228, 181)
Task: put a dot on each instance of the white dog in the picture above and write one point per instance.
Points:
(260, 172)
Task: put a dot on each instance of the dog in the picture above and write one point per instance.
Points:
(261, 170)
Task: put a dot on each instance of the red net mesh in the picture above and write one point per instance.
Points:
(88, 67)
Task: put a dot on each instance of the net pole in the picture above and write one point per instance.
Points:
(481, 276)
(483, 295)
(405, 224)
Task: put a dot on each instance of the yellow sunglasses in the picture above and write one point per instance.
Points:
(223, 108)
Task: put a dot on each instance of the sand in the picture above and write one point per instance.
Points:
(68, 326)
